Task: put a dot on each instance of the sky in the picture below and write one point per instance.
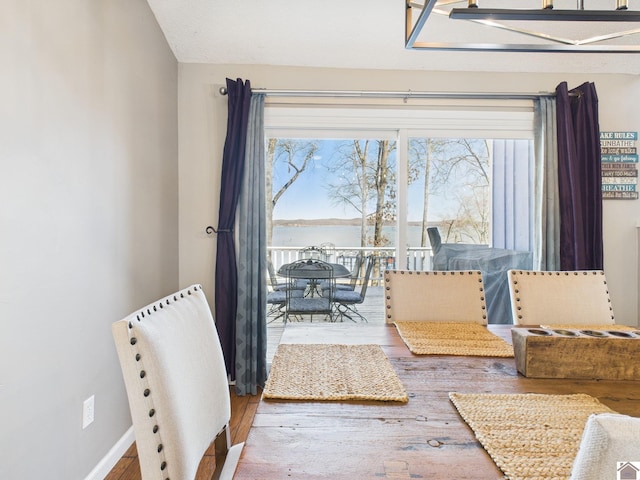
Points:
(308, 196)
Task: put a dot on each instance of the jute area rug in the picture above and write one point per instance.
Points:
(333, 372)
(443, 338)
(529, 436)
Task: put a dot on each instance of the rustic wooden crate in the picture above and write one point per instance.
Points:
(549, 353)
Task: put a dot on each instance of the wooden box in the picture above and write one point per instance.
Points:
(577, 354)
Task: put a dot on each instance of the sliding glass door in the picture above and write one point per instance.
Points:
(376, 179)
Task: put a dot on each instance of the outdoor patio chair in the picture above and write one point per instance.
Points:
(346, 301)
(313, 251)
(276, 302)
(176, 383)
(329, 249)
(313, 303)
(560, 298)
(299, 284)
(456, 296)
(353, 277)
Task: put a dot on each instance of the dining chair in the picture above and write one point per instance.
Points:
(176, 384)
(454, 296)
(608, 445)
(314, 303)
(560, 298)
(346, 301)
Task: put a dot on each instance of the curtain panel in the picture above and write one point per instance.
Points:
(251, 325)
(546, 252)
(579, 178)
(226, 275)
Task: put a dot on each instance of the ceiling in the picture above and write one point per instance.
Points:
(349, 34)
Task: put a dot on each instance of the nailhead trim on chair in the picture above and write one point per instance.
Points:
(557, 273)
(388, 273)
(143, 374)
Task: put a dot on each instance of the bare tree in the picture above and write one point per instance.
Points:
(364, 176)
(471, 156)
(291, 158)
(472, 219)
(451, 166)
(381, 183)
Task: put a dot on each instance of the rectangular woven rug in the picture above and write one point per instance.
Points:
(529, 436)
(443, 338)
(333, 372)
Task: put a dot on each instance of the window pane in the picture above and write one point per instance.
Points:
(474, 190)
(331, 191)
(449, 187)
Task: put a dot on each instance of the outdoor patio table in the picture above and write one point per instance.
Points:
(314, 273)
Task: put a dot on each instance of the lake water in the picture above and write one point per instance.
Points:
(340, 235)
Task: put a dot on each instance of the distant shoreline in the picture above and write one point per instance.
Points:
(300, 222)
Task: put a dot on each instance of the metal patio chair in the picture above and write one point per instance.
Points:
(314, 270)
(346, 301)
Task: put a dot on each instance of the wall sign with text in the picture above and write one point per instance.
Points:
(619, 156)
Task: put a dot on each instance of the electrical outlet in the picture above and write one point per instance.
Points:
(88, 411)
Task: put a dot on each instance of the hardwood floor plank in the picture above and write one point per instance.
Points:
(133, 471)
(117, 472)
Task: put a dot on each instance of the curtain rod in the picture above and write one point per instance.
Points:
(394, 94)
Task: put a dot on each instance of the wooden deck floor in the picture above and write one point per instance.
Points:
(372, 309)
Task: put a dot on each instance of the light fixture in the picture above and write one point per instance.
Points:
(448, 24)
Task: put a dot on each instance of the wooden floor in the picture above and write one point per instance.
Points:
(243, 409)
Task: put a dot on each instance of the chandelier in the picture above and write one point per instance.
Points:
(563, 27)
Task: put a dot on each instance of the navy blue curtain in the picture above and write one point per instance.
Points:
(579, 178)
(226, 296)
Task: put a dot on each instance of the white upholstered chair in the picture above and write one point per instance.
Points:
(560, 298)
(455, 296)
(609, 443)
(177, 387)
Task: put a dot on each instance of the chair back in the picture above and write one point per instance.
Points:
(561, 298)
(313, 252)
(456, 296)
(329, 250)
(176, 382)
(371, 260)
(608, 440)
(318, 273)
(355, 271)
(273, 279)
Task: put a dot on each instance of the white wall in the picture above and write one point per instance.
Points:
(88, 219)
(202, 113)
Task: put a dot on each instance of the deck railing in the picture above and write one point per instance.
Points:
(418, 258)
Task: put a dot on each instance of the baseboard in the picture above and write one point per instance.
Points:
(102, 469)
